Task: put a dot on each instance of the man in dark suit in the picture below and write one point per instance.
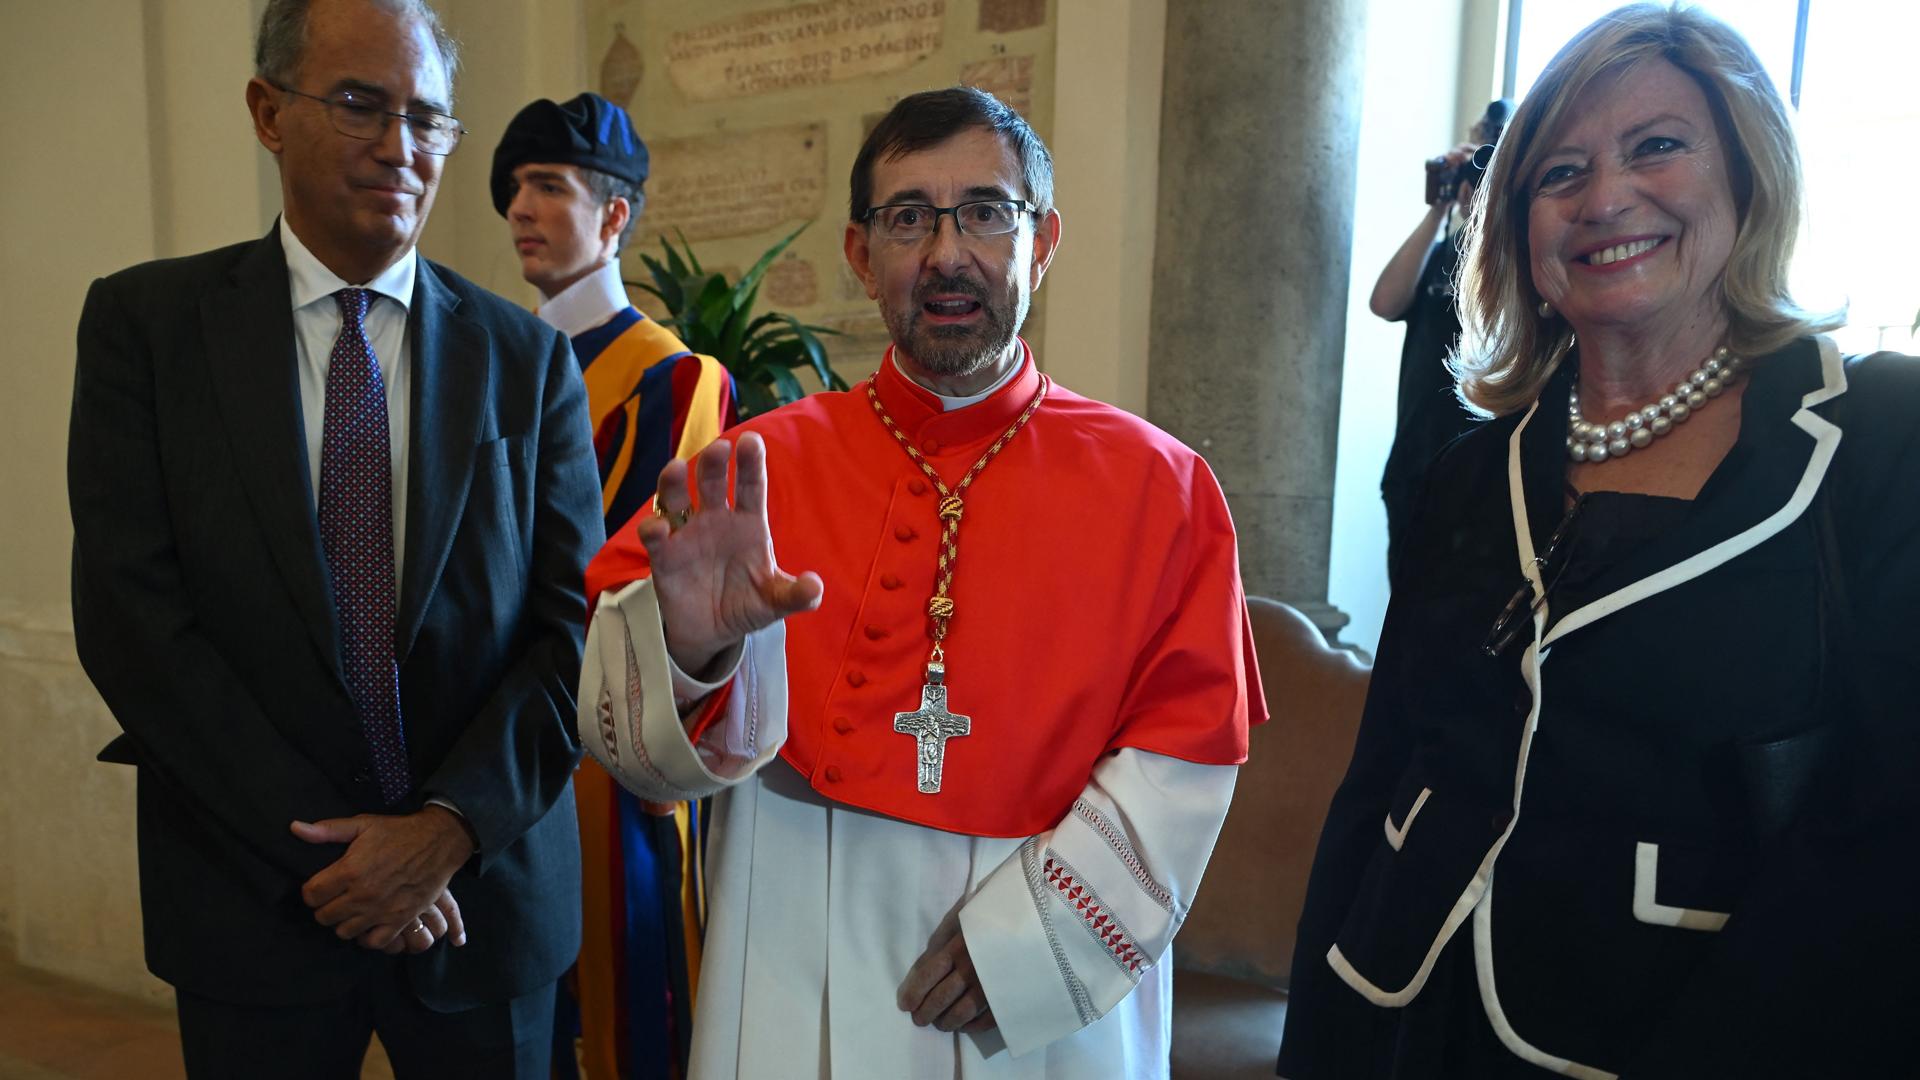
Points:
(331, 506)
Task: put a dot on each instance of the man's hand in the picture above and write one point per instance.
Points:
(395, 869)
(440, 922)
(713, 571)
(942, 989)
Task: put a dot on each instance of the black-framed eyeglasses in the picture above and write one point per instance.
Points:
(359, 117)
(917, 221)
(1550, 564)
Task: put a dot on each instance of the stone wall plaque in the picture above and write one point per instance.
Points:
(1005, 16)
(806, 44)
(620, 69)
(735, 184)
(791, 282)
(1009, 78)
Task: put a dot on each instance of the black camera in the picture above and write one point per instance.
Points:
(1444, 182)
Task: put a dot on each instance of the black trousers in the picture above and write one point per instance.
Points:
(512, 1040)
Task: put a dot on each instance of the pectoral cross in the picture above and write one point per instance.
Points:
(932, 725)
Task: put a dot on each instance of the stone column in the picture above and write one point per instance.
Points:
(1259, 129)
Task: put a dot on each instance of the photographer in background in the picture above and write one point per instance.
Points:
(1417, 287)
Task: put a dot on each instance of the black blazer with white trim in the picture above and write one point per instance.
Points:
(1690, 795)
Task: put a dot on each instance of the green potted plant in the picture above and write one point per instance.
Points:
(715, 317)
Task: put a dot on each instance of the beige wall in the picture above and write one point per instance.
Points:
(101, 172)
(1106, 147)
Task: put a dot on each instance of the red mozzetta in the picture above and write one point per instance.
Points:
(1097, 599)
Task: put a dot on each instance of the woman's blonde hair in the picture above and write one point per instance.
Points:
(1507, 349)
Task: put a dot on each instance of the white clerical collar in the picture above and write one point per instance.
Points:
(949, 403)
(311, 280)
(586, 303)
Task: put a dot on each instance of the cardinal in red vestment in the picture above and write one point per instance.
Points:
(962, 655)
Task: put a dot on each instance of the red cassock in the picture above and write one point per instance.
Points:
(1097, 599)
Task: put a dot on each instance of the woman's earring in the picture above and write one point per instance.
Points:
(1546, 310)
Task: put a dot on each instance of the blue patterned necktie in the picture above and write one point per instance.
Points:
(356, 529)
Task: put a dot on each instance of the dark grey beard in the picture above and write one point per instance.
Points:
(955, 351)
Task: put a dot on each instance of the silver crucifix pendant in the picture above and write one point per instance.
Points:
(932, 725)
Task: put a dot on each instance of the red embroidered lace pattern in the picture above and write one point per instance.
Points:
(1086, 903)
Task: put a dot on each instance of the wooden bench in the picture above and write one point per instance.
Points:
(1233, 955)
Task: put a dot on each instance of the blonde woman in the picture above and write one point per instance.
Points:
(1634, 788)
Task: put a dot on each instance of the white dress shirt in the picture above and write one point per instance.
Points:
(316, 325)
(586, 303)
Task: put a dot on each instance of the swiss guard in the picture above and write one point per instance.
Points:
(569, 178)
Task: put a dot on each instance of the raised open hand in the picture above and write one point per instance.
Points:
(713, 569)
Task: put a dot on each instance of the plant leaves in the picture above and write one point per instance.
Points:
(750, 280)
(755, 398)
(674, 262)
(715, 317)
(688, 248)
(816, 354)
(712, 307)
(734, 333)
(665, 286)
(785, 386)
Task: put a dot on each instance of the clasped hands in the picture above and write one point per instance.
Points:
(388, 890)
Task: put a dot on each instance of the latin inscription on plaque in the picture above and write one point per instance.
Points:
(798, 45)
(1009, 78)
(735, 184)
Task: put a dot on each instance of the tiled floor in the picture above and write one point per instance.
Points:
(53, 1029)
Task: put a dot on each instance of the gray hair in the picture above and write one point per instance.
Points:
(1507, 351)
(283, 37)
(607, 187)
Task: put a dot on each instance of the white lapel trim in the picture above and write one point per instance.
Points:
(1826, 440)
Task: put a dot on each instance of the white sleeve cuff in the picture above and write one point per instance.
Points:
(629, 720)
(1020, 955)
(689, 691)
(1065, 928)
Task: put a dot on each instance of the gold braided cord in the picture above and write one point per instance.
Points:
(952, 506)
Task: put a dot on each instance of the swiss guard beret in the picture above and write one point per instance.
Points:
(588, 131)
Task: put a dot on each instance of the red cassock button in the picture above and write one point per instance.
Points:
(905, 534)
(875, 633)
(856, 678)
(890, 581)
(931, 446)
(917, 486)
(842, 725)
(832, 774)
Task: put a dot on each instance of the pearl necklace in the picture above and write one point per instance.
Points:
(1598, 442)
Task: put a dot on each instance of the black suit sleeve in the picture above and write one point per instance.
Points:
(197, 727)
(516, 757)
